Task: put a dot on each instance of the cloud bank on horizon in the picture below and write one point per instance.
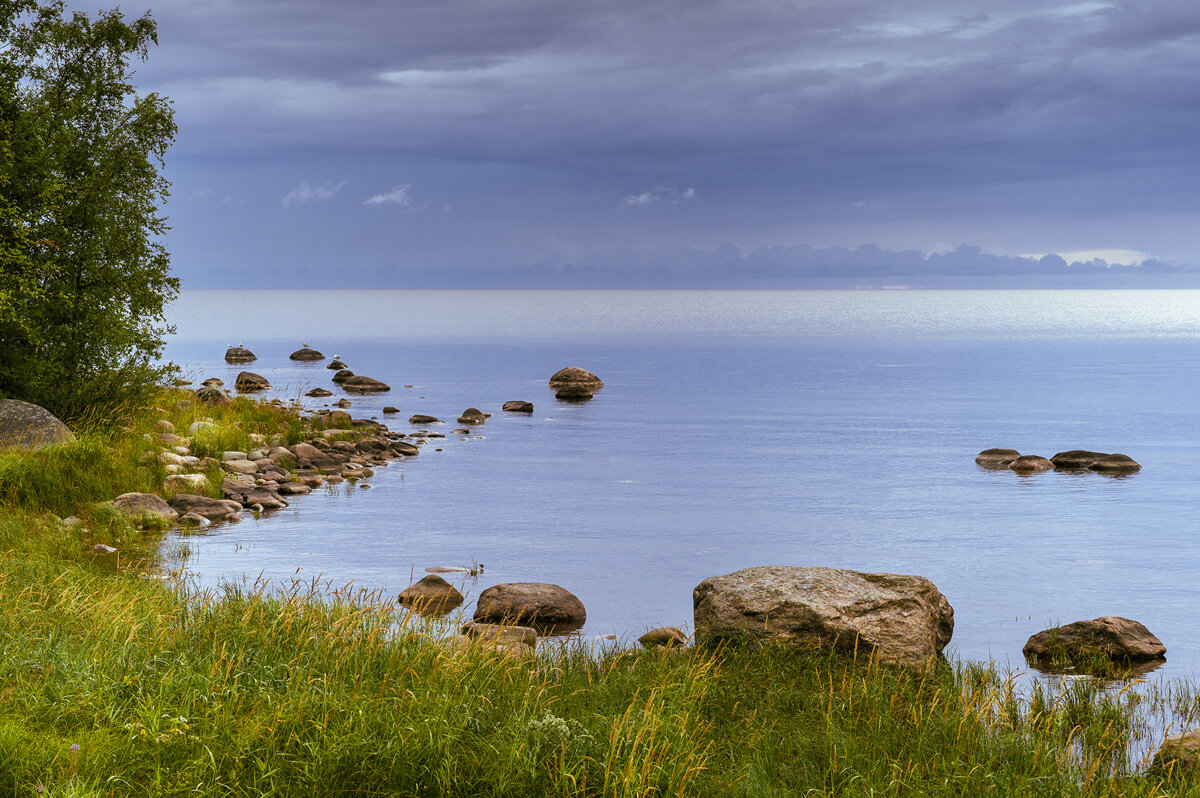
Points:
(627, 137)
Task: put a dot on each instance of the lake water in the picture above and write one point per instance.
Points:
(831, 428)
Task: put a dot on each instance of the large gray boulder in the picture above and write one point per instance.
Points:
(1119, 640)
(897, 617)
(212, 395)
(537, 604)
(572, 375)
(29, 426)
(248, 381)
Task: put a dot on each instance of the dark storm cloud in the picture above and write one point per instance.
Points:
(552, 126)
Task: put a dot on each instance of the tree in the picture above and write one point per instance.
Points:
(84, 276)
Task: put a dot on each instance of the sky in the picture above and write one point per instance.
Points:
(629, 143)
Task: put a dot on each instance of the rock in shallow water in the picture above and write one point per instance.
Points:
(239, 354)
(432, 595)
(1076, 459)
(1031, 464)
(572, 375)
(537, 604)
(1116, 464)
(897, 617)
(1117, 639)
(996, 458)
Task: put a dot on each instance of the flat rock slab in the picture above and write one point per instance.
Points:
(895, 616)
(1120, 640)
(29, 426)
(551, 608)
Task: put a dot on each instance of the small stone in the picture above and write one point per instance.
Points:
(388, 411)
(102, 549)
(472, 416)
(423, 419)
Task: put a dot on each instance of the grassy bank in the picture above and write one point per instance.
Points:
(113, 681)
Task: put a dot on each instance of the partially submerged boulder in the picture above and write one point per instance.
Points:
(1076, 459)
(239, 354)
(572, 375)
(1116, 464)
(574, 393)
(29, 426)
(1120, 641)
(336, 364)
(419, 419)
(431, 595)
(517, 406)
(144, 506)
(248, 382)
(319, 392)
(360, 384)
(537, 604)
(500, 633)
(1031, 464)
(996, 458)
(305, 353)
(895, 616)
(342, 376)
(473, 416)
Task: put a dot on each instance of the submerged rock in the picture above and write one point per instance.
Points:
(422, 419)
(574, 393)
(342, 376)
(359, 384)
(895, 616)
(473, 416)
(319, 392)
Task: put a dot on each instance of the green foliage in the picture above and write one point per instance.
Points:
(85, 276)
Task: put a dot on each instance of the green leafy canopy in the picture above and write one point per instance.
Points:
(84, 275)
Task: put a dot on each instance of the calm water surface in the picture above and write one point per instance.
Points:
(748, 428)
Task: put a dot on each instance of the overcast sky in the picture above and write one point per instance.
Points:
(379, 142)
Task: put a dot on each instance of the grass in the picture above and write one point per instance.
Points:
(115, 679)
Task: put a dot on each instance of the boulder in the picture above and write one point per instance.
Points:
(575, 376)
(1076, 459)
(213, 382)
(404, 449)
(342, 376)
(239, 466)
(420, 419)
(360, 384)
(239, 354)
(388, 411)
(574, 393)
(213, 395)
(305, 353)
(500, 633)
(472, 416)
(896, 617)
(137, 506)
(996, 458)
(162, 425)
(432, 595)
(248, 381)
(1116, 464)
(342, 403)
(318, 392)
(518, 407)
(663, 637)
(535, 604)
(1119, 640)
(185, 483)
(333, 418)
(249, 495)
(1031, 464)
(1179, 755)
(212, 509)
(29, 426)
(336, 364)
(197, 427)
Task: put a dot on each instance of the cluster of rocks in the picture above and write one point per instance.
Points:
(1074, 460)
(248, 382)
